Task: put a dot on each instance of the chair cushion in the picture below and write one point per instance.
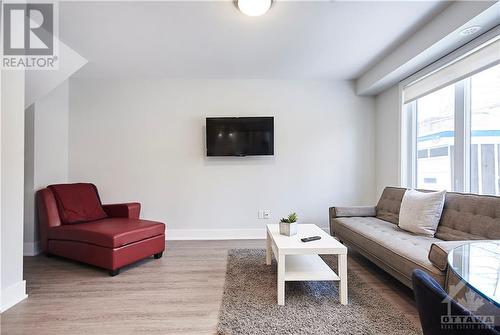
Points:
(402, 250)
(78, 203)
(109, 233)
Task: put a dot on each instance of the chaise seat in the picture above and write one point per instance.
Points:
(109, 233)
(75, 224)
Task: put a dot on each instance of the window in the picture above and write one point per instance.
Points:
(485, 131)
(454, 126)
(435, 135)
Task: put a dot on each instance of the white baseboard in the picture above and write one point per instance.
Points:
(215, 234)
(12, 295)
(31, 248)
(218, 234)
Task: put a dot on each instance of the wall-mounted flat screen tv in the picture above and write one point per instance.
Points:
(240, 136)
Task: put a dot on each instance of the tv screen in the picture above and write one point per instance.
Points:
(240, 136)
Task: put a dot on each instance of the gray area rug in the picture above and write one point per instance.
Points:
(249, 303)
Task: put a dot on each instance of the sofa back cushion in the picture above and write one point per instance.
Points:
(389, 204)
(469, 217)
(78, 203)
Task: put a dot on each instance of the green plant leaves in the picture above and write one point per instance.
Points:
(292, 218)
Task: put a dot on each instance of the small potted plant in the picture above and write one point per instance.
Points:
(288, 226)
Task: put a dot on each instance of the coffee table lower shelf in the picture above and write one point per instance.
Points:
(308, 267)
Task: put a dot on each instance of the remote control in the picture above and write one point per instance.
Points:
(309, 239)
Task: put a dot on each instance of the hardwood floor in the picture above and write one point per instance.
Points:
(177, 294)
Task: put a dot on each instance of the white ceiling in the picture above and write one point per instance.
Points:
(294, 40)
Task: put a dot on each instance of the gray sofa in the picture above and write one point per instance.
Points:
(374, 232)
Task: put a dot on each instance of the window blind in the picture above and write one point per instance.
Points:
(476, 61)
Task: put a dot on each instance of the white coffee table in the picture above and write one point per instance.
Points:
(299, 261)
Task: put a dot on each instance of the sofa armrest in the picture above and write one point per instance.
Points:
(130, 210)
(438, 254)
(48, 215)
(339, 212)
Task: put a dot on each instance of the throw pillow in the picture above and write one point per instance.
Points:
(78, 202)
(421, 211)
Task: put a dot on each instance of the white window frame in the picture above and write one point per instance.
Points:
(461, 163)
(408, 124)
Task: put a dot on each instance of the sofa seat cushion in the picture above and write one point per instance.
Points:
(401, 250)
(78, 202)
(109, 233)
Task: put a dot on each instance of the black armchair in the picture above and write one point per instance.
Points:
(433, 303)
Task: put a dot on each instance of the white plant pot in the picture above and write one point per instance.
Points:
(288, 229)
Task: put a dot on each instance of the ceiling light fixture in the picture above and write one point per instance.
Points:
(254, 7)
(470, 30)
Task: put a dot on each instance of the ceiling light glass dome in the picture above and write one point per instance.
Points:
(254, 7)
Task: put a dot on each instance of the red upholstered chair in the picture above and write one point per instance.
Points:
(74, 224)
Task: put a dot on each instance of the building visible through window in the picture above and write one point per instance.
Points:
(474, 104)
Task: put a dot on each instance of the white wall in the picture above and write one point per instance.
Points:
(39, 84)
(438, 37)
(387, 152)
(51, 137)
(13, 287)
(30, 229)
(144, 140)
(46, 154)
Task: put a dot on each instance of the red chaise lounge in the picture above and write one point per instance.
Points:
(74, 224)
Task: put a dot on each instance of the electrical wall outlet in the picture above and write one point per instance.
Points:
(264, 214)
